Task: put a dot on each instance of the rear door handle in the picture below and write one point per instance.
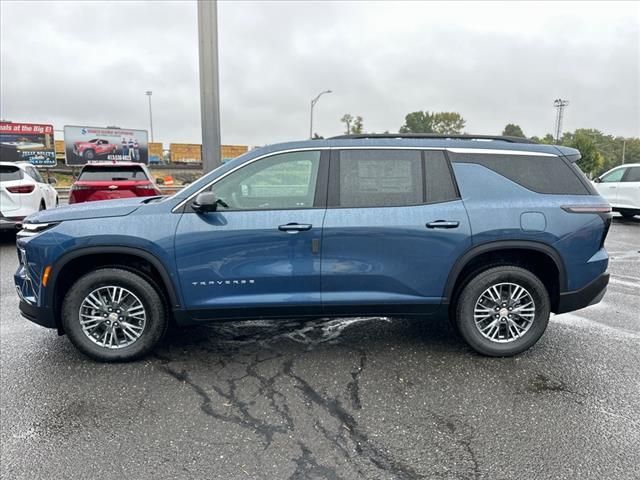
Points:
(295, 227)
(443, 224)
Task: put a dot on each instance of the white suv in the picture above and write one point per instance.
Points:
(621, 187)
(23, 191)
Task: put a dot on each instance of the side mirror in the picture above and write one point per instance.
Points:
(52, 181)
(206, 202)
(597, 180)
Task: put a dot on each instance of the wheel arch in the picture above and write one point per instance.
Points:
(486, 255)
(84, 259)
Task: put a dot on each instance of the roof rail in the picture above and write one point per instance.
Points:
(496, 138)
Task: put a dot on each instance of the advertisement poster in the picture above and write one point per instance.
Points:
(27, 142)
(91, 144)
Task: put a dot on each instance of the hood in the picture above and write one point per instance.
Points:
(79, 211)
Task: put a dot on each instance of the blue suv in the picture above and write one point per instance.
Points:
(496, 232)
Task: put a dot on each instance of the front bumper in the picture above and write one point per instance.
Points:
(590, 294)
(41, 316)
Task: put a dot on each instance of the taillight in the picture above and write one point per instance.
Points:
(81, 187)
(604, 211)
(21, 189)
(147, 188)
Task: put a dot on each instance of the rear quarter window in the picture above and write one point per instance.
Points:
(9, 173)
(541, 174)
(112, 174)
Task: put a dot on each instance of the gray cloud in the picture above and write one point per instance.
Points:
(90, 63)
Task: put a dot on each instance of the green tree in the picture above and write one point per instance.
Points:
(353, 125)
(347, 119)
(448, 123)
(592, 160)
(357, 125)
(418, 122)
(513, 130)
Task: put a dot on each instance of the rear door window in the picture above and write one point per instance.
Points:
(112, 174)
(10, 173)
(390, 178)
(380, 178)
(633, 175)
(35, 174)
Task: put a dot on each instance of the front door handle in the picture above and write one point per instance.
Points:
(295, 227)
(443, 224)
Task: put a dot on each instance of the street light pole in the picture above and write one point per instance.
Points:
(148, 93)
(313, 104)
(209, 87)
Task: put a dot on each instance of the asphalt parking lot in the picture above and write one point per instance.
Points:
(351, 399)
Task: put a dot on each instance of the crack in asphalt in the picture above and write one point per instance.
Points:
(306, 465)
(244, 419)
(453, 426)
(353, 387)
(364, 447)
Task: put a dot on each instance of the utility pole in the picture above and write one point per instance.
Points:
(209, 83)
(148, 93)
(559, 104)
(624, 147)
(313, 104)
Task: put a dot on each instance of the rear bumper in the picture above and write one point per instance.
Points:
(10, 223)
(590, 294)
(39, 315)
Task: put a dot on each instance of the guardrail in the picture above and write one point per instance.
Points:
(63, 193)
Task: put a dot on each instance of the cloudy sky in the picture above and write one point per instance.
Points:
(89, 63)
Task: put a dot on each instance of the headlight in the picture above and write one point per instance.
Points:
(31, 229)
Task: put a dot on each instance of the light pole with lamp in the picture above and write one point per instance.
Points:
(148, 93)
(313, 104)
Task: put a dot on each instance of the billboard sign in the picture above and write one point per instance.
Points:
(89, 144)
(27, 142)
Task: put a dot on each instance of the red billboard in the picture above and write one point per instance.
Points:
(27, 142)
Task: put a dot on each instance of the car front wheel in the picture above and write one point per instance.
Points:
(113, 315)
(503, 311)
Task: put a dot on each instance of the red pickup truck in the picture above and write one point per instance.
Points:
(94, 148)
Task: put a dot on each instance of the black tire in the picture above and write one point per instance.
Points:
(628, 213)
(156, 316)
(472, 292)
(89, 154)
(42, 206)
(57, 201)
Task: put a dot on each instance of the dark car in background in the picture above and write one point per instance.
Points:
(108, 181)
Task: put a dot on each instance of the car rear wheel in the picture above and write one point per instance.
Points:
(629, 213)
(42, 206)
(113, 315)
(89, 154)
(503, 311)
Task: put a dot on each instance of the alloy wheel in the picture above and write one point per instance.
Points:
(504, 312)
(112, 317)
